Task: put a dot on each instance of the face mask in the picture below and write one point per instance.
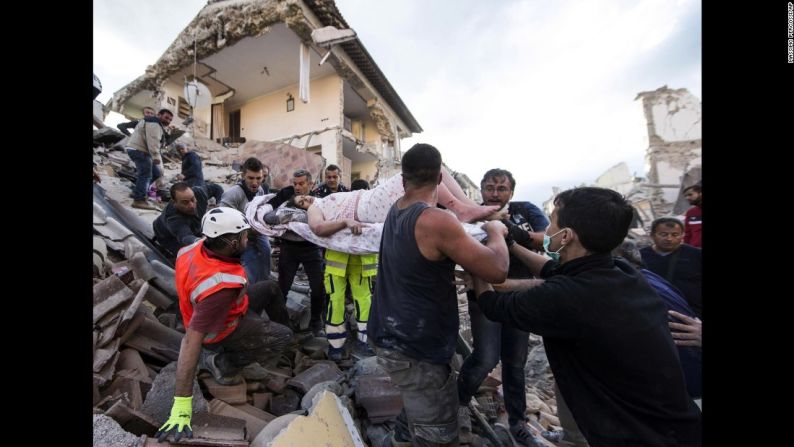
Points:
(555, 255)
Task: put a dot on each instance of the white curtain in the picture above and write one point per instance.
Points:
(304, 73)
(218, 124)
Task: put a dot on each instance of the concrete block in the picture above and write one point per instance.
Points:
(132, 421)
(233, 394)
(160, 398)
(328, 424)
(253, 424)
(262, 400)
(320, 372)
(379, 397)
(284, 403)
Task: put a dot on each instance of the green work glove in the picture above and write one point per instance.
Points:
(179, 421)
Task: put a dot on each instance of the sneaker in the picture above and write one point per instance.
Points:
(553, 435)
(254, 371)
(335, 354)
(362, 349)
(209, 365)
(143, 205)
(523, 436)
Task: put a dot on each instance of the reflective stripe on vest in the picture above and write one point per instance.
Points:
(187, 248)
(213, 281)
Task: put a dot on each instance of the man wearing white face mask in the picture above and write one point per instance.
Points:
(604, 328)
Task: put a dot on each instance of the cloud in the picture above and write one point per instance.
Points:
(545, 89)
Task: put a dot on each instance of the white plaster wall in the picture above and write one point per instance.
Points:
(367, 170)
(201, 115)
(617, 178)
(677, 118)
(266, 118)
(668, 175)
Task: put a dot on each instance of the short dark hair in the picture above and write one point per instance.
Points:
(421, 165)
(359, 183)
(251, 164)
(666, 221)
(302, 172)
(333, 168)
(494, 173)
(696, 187)
(599, 216)
(178, 187)
(164, 111)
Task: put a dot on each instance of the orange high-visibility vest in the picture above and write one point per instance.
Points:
(199, 276)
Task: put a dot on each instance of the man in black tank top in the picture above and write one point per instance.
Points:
(414, 317)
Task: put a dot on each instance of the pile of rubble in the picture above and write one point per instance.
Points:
(303, 399)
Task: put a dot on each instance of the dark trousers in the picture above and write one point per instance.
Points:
(429, 417)
(493, 341)
(260, 336)
(256, 258)
(292, 255)
(146, 171)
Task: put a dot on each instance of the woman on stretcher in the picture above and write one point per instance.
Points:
(343, 210)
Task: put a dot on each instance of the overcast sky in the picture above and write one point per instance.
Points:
(542, 88)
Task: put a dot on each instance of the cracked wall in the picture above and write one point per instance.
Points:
(673, 118)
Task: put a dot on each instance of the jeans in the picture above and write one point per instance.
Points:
(256, 258)
(493, 341)
(259, 337)
(146, 172)
(430, 405)
(292, 255)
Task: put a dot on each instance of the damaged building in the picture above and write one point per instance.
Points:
(245, 78)
(672, 158)
(284, 71)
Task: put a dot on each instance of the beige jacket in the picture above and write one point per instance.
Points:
(146, 138)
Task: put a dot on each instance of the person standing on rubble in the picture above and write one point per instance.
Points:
(124, 127)
(343, 270)
(227, 322)
(192, 172)
(296, 250)
(414, 322)
(492, 340)
(143, 148)
(604, 328)
(256, 258)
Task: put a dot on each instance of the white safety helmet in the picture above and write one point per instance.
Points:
(223, 220)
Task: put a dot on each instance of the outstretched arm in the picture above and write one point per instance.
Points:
(325, 228)
(439, 235)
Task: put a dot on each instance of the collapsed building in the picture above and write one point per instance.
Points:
(283, 71)
(239, 83)
(672, 158)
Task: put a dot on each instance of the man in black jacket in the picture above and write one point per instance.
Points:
(124, 127)
(180, 223)
(192, 172)
(678, 263)
(604, 328)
